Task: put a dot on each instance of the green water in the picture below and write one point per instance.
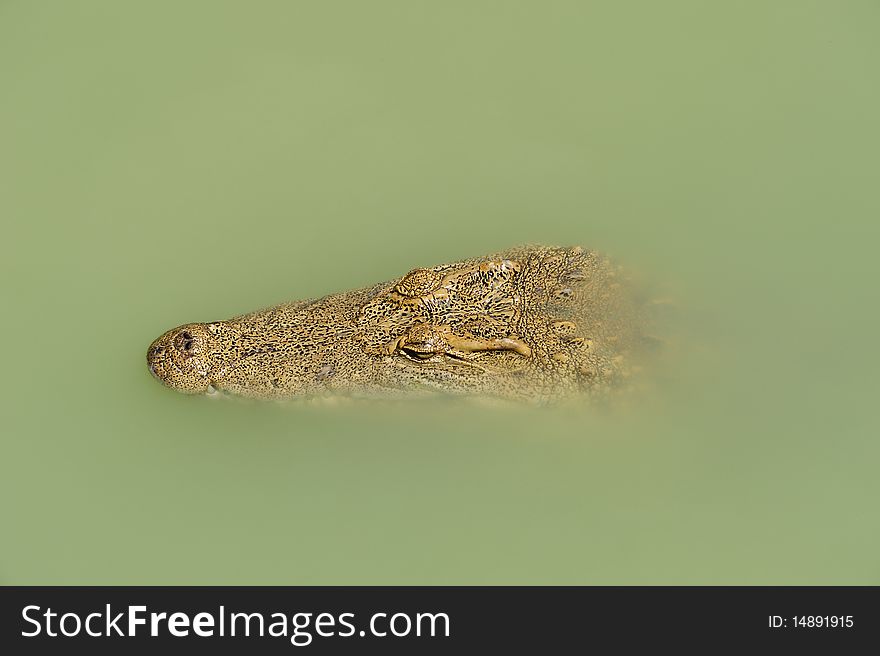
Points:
(170, 162)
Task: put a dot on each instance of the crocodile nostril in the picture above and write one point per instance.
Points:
(184, 341)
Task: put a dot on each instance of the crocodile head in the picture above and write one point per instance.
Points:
(531, 323)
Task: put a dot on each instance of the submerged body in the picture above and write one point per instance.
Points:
(533, 323)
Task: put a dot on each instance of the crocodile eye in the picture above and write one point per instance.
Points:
(418, 282)
(418, 354)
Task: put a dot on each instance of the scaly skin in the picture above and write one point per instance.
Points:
(533, 323)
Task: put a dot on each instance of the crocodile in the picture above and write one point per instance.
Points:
(532, 324)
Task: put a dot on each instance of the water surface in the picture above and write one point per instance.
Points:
(178, 163)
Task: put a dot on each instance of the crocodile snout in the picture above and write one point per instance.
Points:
(180, 358)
